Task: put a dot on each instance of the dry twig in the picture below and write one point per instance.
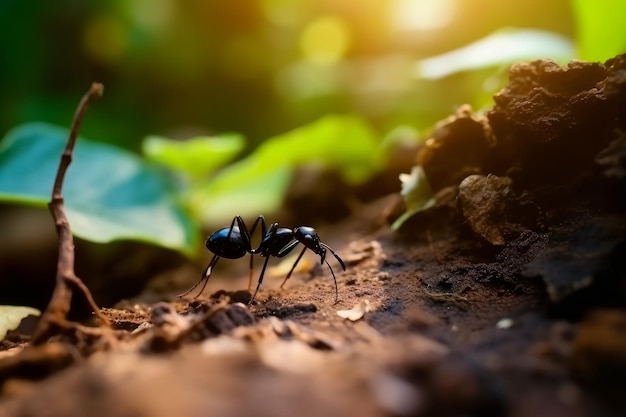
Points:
(55, 316)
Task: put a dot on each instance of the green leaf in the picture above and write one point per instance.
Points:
(600, 33)
(194, 157)
(12, 316)
(258, 183)
(110, 193)
(416, 192)
(243, 189)
(345, 143)
(503, 47)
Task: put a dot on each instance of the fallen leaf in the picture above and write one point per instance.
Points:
(357, 312)
(504, 323)
(11, 317)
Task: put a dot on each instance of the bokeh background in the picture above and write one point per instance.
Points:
(258, 67)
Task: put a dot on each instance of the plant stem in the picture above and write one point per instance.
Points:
(55, 315)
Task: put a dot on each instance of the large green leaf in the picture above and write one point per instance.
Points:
(600, 30)
(343, 142)
(503, 47)
(258, 183)
(194, 157)
(110, 193)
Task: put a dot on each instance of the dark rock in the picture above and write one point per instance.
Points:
(457, 149)
(289, 310)
(583, 265)
(550, 114)
(489, 205)
(612, 159)
(233, 316)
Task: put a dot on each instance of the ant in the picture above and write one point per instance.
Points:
(234, 242)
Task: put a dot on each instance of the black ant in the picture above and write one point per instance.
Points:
(234, 242)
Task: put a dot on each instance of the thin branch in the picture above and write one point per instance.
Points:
(94, 93)
(55, 316)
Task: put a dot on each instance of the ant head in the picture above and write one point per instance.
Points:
(306, 235)
(309, 238)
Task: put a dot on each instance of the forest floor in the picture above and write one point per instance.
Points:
(504, 298)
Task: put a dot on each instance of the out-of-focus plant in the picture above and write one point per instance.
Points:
(599, 28)
(110, 193)
(503, 47)
(166, 197)
(258, 183)
(195, 158)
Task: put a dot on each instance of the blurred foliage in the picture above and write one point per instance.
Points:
(194, 158)
(184, 69)
(513, 45)
(187, 69)
(598, 35)
(112, 194)
(258, 183)
(109, 193)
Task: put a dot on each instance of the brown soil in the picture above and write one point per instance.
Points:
(506, 298)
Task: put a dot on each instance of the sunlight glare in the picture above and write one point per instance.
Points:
(325, 40)
(412, 15)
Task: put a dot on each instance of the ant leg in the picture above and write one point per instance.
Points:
(205, 278)
(258, 285)
(260, 248)
(239, 221)
(263, 226)
(251, 271)
(247, 241)
(334, 279)
(294, 266)
(243, 232)
(335, 255)
(287, 249)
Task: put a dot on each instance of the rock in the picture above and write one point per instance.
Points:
(488, 204)
(457, 149)
(612, 159)
(581, 265)
(549, 114)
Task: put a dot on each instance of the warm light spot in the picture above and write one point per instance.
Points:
(422, 14)
(284, 13)
(325, 40)
(150, 14)
(105, 39)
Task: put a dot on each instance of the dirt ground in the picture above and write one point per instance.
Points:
(505, 298)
